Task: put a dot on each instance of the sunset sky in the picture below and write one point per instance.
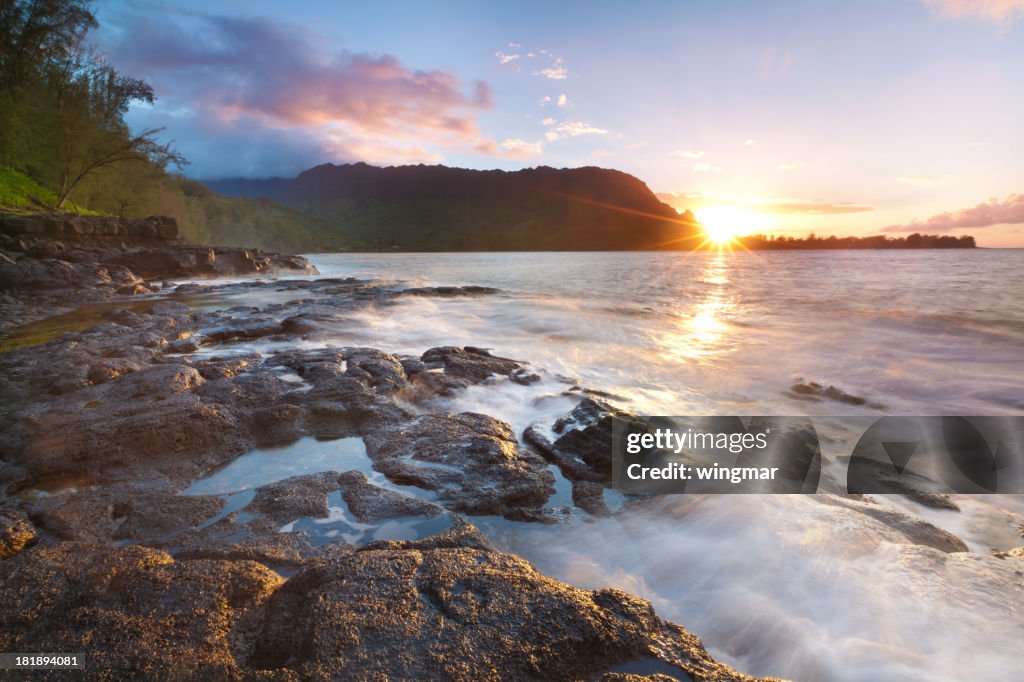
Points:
(790, 117)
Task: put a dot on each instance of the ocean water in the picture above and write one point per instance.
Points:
(774, 585)
(918, 332)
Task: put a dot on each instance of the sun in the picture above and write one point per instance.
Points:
(723, 224)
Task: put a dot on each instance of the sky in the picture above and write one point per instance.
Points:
(880, 116)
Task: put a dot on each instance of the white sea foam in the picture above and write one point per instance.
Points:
(776, 585)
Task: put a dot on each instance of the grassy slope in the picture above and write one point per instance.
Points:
(202, 214)
(18, 192)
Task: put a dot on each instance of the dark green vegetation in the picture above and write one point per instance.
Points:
(64, 144)
(436, 208)
(760, 242)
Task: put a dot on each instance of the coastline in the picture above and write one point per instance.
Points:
(104, 428)
(206, 434)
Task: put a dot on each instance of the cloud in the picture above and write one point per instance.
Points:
(556, 71)
(994, 212)
(257, 74)
(510, 60)
(546, 99)
(521, 149)
(688, 153)
(748, 142)
(704, 167)
(573, 129)
(563, 101)
(994, 11)
(696, 200)
(793, 165)
(548, 121)
(924, 180)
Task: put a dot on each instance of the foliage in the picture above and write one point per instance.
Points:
(64, 142)
(915, 241)
(21, 193)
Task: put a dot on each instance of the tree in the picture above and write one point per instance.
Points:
(91, 101)
(62, 105)
(38, 32)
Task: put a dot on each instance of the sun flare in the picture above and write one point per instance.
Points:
(723, 224)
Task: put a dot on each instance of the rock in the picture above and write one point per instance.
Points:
(274, 550)
(179, 437)
(473, 365)
(1016, 552)
(817, 391)
(589, 496)
(917, 531)
(472, 460)
(524, 376)
(432, 611)
(379, 370)
(130, 512)
(16, 532)
(582, 449)
(137, 611)
(371, 503)
(295, 497)
(242, 329)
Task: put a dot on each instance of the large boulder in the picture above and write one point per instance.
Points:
(473, 461)
(136, 611)
(438, 609)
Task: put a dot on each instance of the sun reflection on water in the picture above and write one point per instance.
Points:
(701, 331)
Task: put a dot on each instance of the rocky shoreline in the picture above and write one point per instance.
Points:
(52, 263)
(103, 429)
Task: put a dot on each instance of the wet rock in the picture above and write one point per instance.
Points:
(1016, 553)
(110, 368)
(379, 370)
(187, 345)
(16, 532)
(295, 497)
(472, 460)
(169, 307)
(882, 478)
(422, 611)
(371, 503)
(153, 383)
(121, 512)
(137, 611)
(176, 436)
(582, 447)
(524, 376)
(275, 425)
(275, 550)
(236, 329)
(589, 496)
(461, 535)
(473, 365)
(917, 531)
(815, 391)
(450, 292)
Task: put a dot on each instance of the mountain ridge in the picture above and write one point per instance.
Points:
(443, 208)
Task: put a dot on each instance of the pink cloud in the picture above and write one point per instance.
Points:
(993, 212)
(995, 11)
(255, 71)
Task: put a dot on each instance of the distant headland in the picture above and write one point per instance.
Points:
(439, 208)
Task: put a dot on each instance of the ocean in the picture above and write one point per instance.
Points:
(774, 585)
